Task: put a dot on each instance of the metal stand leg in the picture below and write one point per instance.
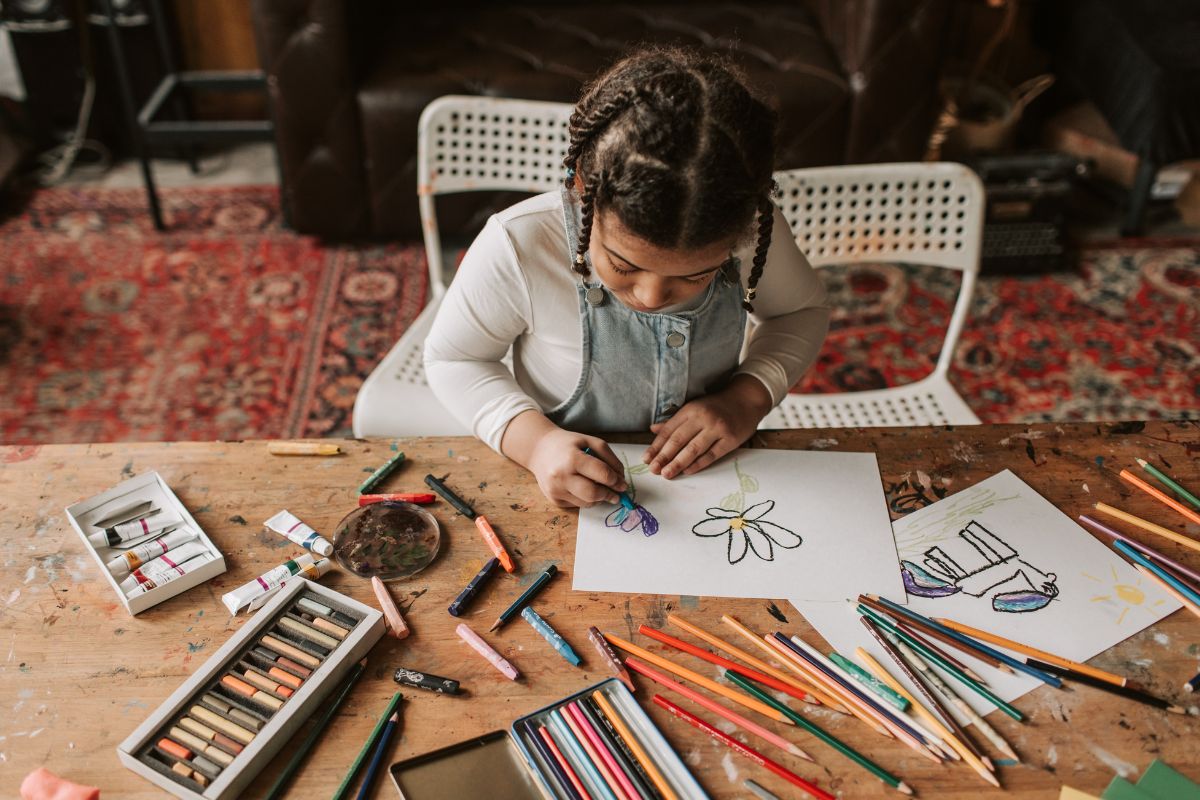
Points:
(131, 111)
(167, 56)
(1139, 196)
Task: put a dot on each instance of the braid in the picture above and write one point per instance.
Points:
(588, 203)
(585, 127)
(766, 221)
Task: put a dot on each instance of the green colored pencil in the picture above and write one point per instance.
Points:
(1170, 484)
(379, 475)
(936, 658)
(829, 739)
(301, 753)
(878, 687)
(367, 748)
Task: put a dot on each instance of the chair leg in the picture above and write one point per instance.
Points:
(1139, 197)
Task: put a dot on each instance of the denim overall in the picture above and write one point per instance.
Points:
(640, 368)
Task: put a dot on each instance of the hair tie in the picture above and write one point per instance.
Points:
(570, 172)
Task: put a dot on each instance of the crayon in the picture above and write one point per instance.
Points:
(468, 594)
(416, 498)
(610, 658)
(550, 635)
(425, 680)
(302, 449)
(484, 649)
(380, 475)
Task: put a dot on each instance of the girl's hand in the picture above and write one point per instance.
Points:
(707, 428)
(566, 475)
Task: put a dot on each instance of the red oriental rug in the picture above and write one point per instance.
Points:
(229, 326)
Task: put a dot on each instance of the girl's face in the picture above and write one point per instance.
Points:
(646, 277)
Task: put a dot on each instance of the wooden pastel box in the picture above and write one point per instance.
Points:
(231, 727)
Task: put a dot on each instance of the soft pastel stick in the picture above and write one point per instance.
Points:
(295, 653)
(395, 620)
(310, 633)
(221, 724)
(484, 649)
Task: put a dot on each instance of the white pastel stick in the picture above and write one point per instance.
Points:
(135, 557)
(289, 526)
(163, 565)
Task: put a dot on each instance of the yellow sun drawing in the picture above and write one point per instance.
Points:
(1131, 595)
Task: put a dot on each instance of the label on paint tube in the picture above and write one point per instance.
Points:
(132, 559)
(128, 531)
(289, 526)
(168, 575)
(163, 565)
(252, 594)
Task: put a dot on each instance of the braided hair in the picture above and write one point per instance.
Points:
(674, 143)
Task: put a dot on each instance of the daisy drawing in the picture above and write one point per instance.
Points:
(747, 531)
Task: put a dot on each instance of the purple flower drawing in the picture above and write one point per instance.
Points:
(747, 531)
(631, 519)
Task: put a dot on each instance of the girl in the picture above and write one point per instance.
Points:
(621, 295)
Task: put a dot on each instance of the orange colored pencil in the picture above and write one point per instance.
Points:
(1160, 496)
(813, 689)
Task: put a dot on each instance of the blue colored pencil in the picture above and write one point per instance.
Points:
(575, 752)
(550, 635)
(377, 759)
(1166, 577)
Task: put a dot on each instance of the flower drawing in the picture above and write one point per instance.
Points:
(630, 519)
(747, 531)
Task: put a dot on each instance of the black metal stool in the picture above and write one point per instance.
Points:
(147, 132)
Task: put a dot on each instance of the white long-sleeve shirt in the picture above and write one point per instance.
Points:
(515, 288)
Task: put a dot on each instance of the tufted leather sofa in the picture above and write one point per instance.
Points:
(855, 82)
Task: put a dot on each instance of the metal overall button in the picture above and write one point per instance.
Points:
(675, 339)
(670, 410)
(594, 295)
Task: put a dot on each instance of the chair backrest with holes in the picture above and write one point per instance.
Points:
(913, 213)
(467, 144)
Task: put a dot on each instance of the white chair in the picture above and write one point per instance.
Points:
(464, 144)
(911, 213)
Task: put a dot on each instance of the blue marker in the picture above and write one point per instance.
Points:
(550, 635)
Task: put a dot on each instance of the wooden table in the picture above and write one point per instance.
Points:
(78, 673)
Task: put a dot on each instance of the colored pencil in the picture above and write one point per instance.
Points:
(380, 475)
(712, 658)
(869, 681)
(1104, 686)
(591, 728)
(367, 747)
(609, 657)
(1166, 481)
(888, 607)
(759, 791)
(559, 768)
(377, 759)
(302, 449)
(797, 688)
(563, 764)
(937, 706)
(576, 752)
(605, 766)
(302, 752)
(538, 584)
(822, 734)
(930, 632)
(631, 741)
(1178, 538)
(737, 747)
(717, 708)
(1144, 549)
(982, 691)
(620, 752)
(1033, 652)
(921, 636)
(1166, 587)
(961, 745)
(752, 637)
(683, 672)
(1163, 574)
(1161, 497)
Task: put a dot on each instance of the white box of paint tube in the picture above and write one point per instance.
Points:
(171, 518)
(135, 752)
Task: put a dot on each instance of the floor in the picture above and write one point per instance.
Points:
(250, 164)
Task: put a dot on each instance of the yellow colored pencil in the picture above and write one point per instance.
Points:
(751, 636)
(753, 661)
(1024, 649)
(635, 746)
(947, 735)
(1160, 496)
(1166, 587)
(1178, 538)
(697, 678)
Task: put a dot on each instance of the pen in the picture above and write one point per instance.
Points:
(525, 597)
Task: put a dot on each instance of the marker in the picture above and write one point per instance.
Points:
(425, 680)
(416, 498)
(481, 522)
(381, 474)
(395, 621)
(468, 594)
(550, 635)
(525, 597)
(484, 649)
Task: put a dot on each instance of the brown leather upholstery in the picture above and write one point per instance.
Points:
(855, 81)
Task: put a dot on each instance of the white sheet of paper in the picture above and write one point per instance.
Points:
(1100, 599)
(825, 515)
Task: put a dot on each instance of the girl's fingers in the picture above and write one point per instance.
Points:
(698, 446)
(718, 449)
(662, 431)
(603, 466)
(676, 441)
(588, 492)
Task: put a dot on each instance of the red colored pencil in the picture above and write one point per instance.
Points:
(738, 747)
(733, 666)
(562, 762)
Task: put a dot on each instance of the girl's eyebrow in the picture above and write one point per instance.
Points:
(612, 252)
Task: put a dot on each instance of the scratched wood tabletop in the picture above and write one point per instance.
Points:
(77, 673)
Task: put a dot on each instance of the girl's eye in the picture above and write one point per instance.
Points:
(700, 278)
(618, 270)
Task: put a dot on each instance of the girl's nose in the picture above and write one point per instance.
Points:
(652, 292)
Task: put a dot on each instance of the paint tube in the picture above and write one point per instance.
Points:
(252, 594)
(166, 576)
(128, 531)
(163, 565)
(130, 560)
(289, 526)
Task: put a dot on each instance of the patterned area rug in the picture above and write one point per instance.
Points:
(229, 326)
